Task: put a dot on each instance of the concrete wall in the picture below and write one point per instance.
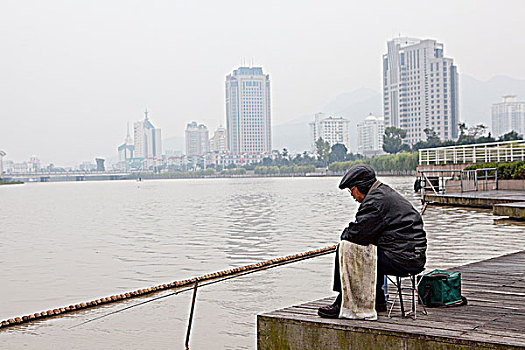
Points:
(461, 201)
(454, 186)
(516, 185)
(287, 334)
(513, 210)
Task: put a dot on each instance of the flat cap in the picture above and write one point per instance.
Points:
(361, 175)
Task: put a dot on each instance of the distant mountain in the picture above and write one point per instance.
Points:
(293, 136)
(475, 101)
(346, 102)
(476, 97)
(174, 143)
(355, 106)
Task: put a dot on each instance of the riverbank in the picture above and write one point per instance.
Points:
(11, 183)
(183, 175)
(256, 176)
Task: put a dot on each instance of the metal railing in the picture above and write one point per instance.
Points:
(443, 181)
(436, 180)
(485, 179)
(506, 151)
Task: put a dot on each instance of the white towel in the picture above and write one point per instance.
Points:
(357, 267)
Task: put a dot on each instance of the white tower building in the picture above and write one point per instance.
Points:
(148, 143)
(370, 136)
(197, 139)
(420, 89)
(248, 115)
(332, 129)
(507, 116)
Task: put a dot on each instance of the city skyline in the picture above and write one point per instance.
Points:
(113, 157)
(69, 74)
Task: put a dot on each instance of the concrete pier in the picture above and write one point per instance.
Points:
(510, 203)
(512, 210)
(493, 319)
(478, 199)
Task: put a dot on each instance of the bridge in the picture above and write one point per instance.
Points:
(51, 176)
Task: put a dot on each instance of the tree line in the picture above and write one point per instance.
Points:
(401, 156)
(395, 163)
(393, 138)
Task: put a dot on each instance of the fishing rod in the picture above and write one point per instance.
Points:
(322, 251)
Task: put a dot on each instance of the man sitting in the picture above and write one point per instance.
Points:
(384, 219)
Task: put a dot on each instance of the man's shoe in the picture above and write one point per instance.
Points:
(330, 311)
(381, 307)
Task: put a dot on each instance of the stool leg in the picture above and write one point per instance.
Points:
(400, 292)
(422, 304)
(394, 299)
(414, 302)
(421, 299)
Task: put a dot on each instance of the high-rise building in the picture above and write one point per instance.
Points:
(332, 129)
(148, 143)
(248, 115)
(370, 136)
(420, 89)
(197, 143)
(507, 116)
(218, 140)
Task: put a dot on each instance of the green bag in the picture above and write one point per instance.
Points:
(441, 289)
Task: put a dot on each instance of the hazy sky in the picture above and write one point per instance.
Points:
(73, 73)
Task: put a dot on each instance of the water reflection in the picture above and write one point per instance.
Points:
(250, 226)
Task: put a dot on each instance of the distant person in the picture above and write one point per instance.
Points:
(384, 219)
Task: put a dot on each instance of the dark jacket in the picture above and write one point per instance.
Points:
(389, 221)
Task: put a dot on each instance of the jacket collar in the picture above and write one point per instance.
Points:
(374, 186)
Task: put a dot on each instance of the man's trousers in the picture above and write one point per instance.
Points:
(385, 266)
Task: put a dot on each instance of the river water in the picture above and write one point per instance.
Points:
(64, 243)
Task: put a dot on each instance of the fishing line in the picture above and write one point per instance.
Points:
(206, 284)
